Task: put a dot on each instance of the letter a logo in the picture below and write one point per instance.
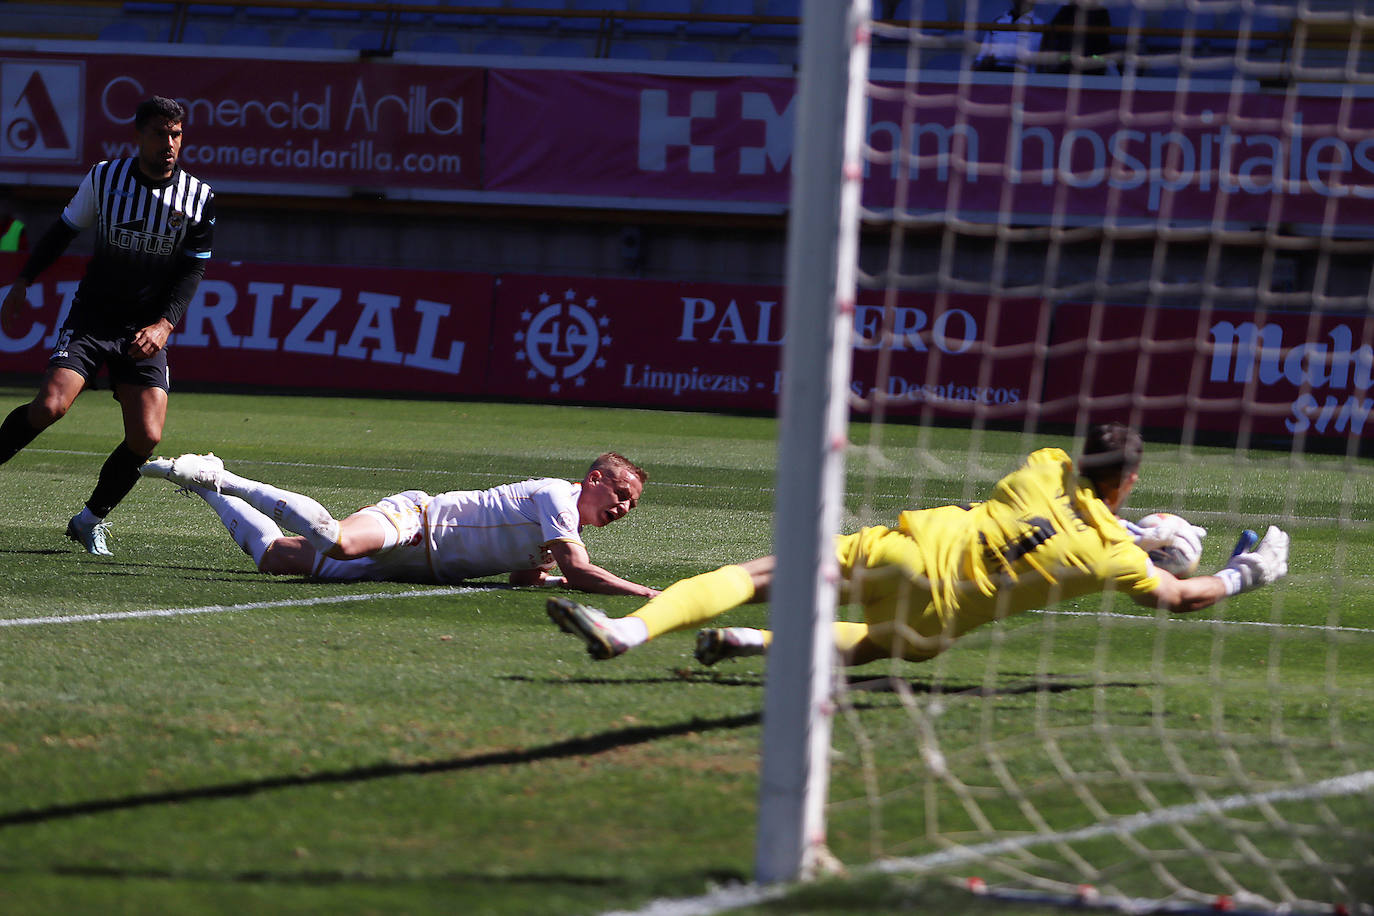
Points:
(40, 111)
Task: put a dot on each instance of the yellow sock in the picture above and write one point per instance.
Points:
(689, 602)
(848, 635)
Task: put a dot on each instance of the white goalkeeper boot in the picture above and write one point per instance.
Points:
(718, 643)
(188, 471)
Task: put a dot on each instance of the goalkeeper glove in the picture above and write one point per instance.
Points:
(1267, 563)
(1162, 529)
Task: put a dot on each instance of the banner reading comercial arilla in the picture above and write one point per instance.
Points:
(294, 125)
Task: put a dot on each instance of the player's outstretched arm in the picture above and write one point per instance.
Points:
(1266, 564)
(584, 575)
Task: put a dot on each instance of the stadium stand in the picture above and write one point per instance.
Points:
(742, 31)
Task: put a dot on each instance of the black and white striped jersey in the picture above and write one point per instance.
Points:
(145, 231)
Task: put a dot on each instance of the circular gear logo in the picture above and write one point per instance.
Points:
(562, 339)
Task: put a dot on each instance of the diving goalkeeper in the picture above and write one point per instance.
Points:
(1048, 533)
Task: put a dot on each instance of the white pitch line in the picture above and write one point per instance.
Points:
(222, 608)
(1206, 621)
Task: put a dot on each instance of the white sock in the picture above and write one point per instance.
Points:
(293, 511)
(631, 630)
(747, 636)
(250, 529)
(86, 518)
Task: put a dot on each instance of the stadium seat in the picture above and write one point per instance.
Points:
(755, 56)
(246, 35)
(366, 41)
(709, 29)
(629, 50)
(778, 31)
(886, 59)
(209, 9)
(659, 26)
(190, 35)
(692, 51)
(123, 31)
(540, 23)
(508, 46)
(593, 23)
(901, 11)
(147, 6)
(567, 47)
(314, 14)
(434, 44)
(309, 38)
(467, 20)
(273, 12)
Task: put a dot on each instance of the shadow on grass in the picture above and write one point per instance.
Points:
(676, 676)
(572, 747)
(326, 878)
(35, 552)
(1038, 684)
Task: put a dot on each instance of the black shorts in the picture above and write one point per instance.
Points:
(84, 352)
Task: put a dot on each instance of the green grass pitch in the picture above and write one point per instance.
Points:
(300, 747)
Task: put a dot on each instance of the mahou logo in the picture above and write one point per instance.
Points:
(41, 110)
(561, 339)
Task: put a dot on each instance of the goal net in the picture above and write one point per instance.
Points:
(1150, 211)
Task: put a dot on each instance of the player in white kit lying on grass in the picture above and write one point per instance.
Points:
(524, 529)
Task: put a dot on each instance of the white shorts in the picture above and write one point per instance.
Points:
(406, 554)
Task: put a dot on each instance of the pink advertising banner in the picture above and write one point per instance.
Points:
(1147, 154)
(1281, 375)
(719, 346)
(289, 123)
(299, 327)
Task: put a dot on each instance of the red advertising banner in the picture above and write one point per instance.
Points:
(718, 346)
(1192, 155)
(1282, 375)
(300, 327)
(373, 124)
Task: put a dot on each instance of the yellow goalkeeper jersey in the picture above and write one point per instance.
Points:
(1042, 537)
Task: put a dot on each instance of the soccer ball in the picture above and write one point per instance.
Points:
(1172, 543)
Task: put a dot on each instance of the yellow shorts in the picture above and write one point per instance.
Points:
(887, 577)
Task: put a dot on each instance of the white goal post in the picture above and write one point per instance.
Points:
(1002, 233)
(821, 264)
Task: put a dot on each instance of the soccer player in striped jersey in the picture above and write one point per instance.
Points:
(154, 226)
(524, 529)
(1048, 533)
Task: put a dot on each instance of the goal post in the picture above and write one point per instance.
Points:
(1152, 211)
(821, 264)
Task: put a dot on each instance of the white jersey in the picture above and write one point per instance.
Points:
(484, 532)
(466, 534)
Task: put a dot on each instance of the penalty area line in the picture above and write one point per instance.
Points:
(222, 608)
